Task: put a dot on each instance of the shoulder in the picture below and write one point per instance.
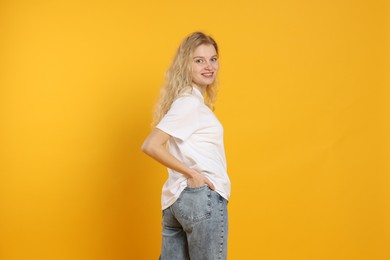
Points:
(185, 106)
(186, 101)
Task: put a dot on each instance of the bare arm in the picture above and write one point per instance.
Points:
(154, 147)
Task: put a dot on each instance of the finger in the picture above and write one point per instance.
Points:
(210, 185)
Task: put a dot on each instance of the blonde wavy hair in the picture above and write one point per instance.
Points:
(178, 78)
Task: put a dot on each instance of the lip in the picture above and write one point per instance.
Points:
(207, 74)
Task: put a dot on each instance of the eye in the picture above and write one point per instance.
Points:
(214, 59)
(200, 61)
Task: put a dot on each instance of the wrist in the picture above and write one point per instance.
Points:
(192, 173)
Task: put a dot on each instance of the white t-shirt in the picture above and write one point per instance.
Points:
(197, 141)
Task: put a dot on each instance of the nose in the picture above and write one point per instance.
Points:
(208, 65)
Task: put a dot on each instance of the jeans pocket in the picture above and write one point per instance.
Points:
(194, 204)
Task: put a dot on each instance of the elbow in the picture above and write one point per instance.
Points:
(147, 148)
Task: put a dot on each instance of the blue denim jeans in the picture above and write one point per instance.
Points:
(196, 226)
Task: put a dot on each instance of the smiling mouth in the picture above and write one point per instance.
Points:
(208, 74)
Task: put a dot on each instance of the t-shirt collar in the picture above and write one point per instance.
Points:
(197, 93)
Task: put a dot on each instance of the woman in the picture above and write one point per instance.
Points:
(188, 139)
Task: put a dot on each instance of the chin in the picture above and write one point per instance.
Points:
(209, 82)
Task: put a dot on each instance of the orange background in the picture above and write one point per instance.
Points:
(304, 101)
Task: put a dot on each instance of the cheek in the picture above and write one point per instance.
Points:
(195, 69)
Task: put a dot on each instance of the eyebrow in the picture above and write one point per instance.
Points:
(204, 57)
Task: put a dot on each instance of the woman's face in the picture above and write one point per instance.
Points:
(204, 65)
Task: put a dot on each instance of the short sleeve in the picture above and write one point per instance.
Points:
(182, 119)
